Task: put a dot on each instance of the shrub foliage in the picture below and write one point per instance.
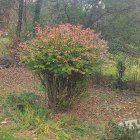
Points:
(62, 56)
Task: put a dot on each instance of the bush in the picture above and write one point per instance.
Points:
(63, 56)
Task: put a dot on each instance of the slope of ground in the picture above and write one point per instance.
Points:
(104, 105)
(101, 106)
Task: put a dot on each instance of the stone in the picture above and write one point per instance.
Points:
(131, 124)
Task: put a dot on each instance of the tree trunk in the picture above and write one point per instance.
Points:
(37, 14)
(74, 15)
(20, 17)
(63, 90)
(25, 16)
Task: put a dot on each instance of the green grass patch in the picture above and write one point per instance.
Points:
(4, 43)
(132, 71)
(24, 112)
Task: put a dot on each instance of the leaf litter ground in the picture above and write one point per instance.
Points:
(101, 106)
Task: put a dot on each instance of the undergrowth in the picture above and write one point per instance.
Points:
(117, 132)
(24, 111)
(4, 43)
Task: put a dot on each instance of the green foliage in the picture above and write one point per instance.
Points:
(120, 71)
(132, 65)
(63, 50)
(132, 69)
(126, 32)
(48, 126)
(4, 43)
(26, 106)
(120, 74)
(19, 101)
(116, 132)
(8, 136)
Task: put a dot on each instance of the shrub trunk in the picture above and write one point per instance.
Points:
(62, 91)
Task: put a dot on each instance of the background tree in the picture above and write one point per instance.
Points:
(118, 21)
(7, 13)
(121, 28)
(20, 19)
(37, 14)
